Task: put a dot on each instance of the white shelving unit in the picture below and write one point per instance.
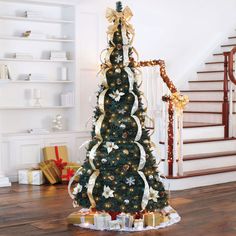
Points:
(36, 60)
(56, 22)
(20, 18)
(6, 37)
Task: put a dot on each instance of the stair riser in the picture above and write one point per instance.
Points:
(205, 180)
(203, 132)
(219, 66)
(213, 162)
(208, 147)
(203, 96)
(206, 85)
(216, 58)
(204, 106)
(201, 117)
(210, 76)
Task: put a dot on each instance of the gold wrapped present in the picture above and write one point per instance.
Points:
(55, 152)
(69, 171)
(51, 172)
(153, 218)
(80, 218)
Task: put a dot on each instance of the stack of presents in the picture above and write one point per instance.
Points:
(55, 168)
(123, 221)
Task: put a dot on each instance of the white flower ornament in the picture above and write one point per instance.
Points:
(107, 192)
(116, 95)
(153, 194)
(110, 146)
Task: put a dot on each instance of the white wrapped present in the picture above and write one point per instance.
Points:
(114, 224)
(126, 220)
(33, 176)
(101, 220)
(138, 224)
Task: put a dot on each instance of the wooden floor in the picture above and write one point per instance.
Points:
(34, 210)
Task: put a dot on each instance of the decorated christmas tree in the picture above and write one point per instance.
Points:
(120, 172)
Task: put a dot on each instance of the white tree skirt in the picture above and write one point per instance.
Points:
(174, 218)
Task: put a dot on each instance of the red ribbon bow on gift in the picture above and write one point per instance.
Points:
(69, 173)
(59, 161)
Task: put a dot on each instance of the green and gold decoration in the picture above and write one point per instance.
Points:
(119, 175)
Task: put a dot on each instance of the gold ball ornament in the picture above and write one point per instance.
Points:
(126, 151)
(118, 70)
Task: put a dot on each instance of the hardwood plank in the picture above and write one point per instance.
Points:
(43, 210)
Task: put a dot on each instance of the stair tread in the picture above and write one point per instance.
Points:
(207, 140)
(210, 71)
(216, 101)
(206, 81)
(204, 112)
(203, 90)
(208, 155)
(198, 124)
(219, 53)
(228, 45)
(203, 140)
(211, 171)
(207, 112)
(214, 62)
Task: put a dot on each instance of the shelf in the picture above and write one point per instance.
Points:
(20, 18)
(33, 108)
(36, 60)
(36, 39)
(40, 81)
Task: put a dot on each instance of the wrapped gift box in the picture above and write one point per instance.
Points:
(114, 225)
(69, 171)
(126, 220)
(101, 220)
(81, 218)
(51, 172)
(55, 152)
(33, 176)
(138, 224)
(153, 218)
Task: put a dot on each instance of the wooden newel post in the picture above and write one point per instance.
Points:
(225, 105)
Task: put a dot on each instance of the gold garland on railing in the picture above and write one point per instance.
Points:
(175, 101)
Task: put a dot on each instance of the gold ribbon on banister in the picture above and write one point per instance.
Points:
(117, 17)
(179, 101)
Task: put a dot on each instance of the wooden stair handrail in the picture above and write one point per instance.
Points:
(231, 66)
(164, 76)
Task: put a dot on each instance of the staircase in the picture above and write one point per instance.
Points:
(209, 158)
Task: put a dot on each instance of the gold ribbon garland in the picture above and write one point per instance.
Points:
(91, 184)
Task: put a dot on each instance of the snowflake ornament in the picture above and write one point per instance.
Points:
(153, 194)
(116, 95)
(130, 181)
(110, 146)
(107, 192)
(77, 189)
(118, 59)
(122, 111)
